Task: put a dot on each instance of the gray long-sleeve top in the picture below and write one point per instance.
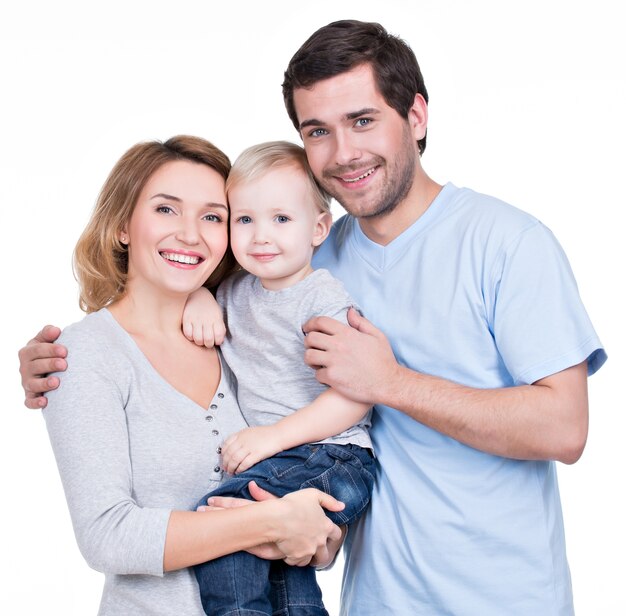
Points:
(130, 449)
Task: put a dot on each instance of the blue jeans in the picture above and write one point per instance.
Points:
(244, 585)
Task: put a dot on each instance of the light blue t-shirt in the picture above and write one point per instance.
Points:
(480, 293)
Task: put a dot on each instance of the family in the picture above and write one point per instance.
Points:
(254, 387)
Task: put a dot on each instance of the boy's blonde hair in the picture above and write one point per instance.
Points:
(257, 160)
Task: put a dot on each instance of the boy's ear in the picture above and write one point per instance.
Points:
(322, 228)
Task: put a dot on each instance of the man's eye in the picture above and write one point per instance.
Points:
(363, 122)
(318, 132)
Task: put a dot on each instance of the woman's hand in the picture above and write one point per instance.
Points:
(302, 529)
(325, 552)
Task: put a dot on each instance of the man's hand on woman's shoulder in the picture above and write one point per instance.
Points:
(39, 358)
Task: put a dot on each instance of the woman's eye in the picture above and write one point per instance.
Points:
(212, 218)
(164, 209)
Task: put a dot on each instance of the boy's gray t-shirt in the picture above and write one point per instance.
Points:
(264, 345)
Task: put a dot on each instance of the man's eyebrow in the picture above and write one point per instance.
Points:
(353, 115)
(361, 112)
(311, 122)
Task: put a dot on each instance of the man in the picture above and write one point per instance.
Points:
(480, 377)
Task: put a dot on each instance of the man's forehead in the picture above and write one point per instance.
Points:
(340, 96)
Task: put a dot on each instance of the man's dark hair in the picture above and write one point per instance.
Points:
(343, 45)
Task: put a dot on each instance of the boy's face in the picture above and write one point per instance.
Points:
(275, 226)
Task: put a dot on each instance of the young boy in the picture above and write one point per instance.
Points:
(278, 216)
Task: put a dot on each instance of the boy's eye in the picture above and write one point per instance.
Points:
(281, 218)
(244, 220)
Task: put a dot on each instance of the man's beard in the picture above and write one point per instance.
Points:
(400, 178)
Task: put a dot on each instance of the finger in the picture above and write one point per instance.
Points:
(208, 337)
(249, 461)
(259, 494)
(329, 502)
(198, 336)
(48, 334)
(188, 331)
(41, 350)
(360, 323)
(325, 325)
(335, 533)
(40, 367)
(315, 358)
(298, 562)
(219, 332)
(35, 401)
(227, 502)
(39, 386)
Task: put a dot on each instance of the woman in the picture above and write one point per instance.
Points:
(137, 423)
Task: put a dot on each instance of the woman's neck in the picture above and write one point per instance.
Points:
(145, 314)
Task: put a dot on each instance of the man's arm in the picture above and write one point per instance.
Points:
(547, 420)
(39, 358)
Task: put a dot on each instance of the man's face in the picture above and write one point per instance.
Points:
(359, 148)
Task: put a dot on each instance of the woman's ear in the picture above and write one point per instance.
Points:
(322, 228)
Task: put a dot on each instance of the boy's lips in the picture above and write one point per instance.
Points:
(263, 256)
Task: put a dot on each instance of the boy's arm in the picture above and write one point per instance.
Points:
(203, 320)
(329, 414)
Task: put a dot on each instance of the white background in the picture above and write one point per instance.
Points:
(527, 103)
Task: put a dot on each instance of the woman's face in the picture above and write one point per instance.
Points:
(178, 232)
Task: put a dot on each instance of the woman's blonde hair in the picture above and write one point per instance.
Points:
(257, 160)
(100, 258)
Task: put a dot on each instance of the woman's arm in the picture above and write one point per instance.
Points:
(296, 524)
(89, 432)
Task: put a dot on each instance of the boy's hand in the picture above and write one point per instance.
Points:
(203, 321)
(244, 449)
(37, 359)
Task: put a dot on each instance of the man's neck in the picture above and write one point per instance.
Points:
(385, 228)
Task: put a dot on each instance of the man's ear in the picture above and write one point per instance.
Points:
(418, 117)
(322, 228)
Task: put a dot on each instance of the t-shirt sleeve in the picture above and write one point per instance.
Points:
(86, 422)
(539, 322)
(332, 300)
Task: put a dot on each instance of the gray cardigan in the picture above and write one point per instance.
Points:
(130, 448)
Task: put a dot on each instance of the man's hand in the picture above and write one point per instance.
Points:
(357, 361)
(245, 448)
(38, 359)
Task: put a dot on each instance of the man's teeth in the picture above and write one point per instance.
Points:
(188, 259)
(360, 177)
